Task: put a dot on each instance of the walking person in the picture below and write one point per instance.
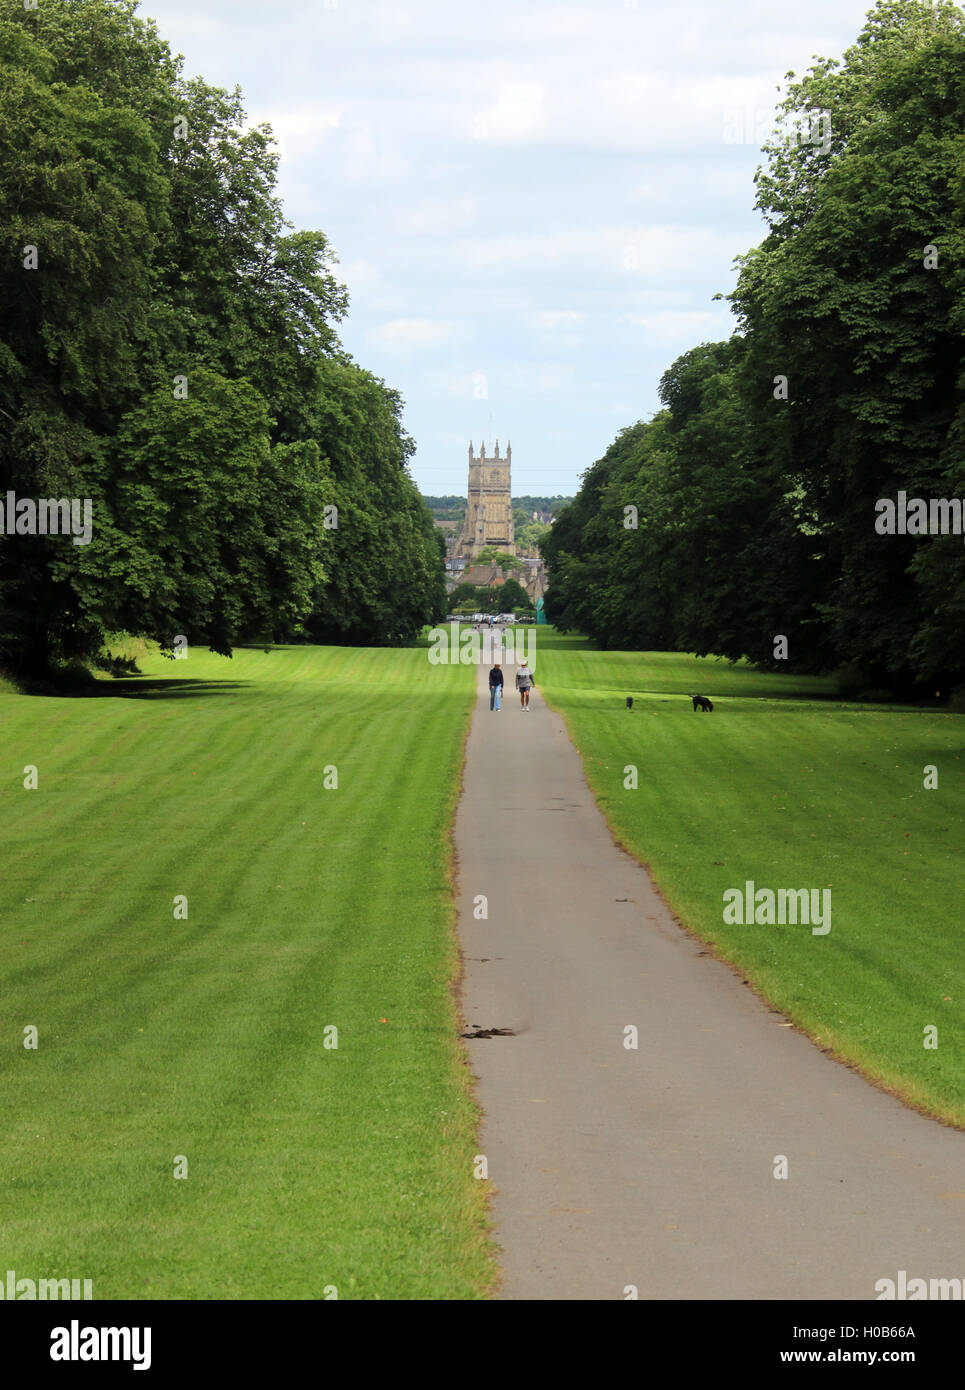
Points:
(495, 686)
(524, 680)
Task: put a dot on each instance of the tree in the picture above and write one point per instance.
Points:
(511, 596)
(168, 350)
(489, 555)
(577, 550)
(531, 534)
(386, 575)
(83, 200)
(465, 593)
(756, 487)
(839, 299)
(232, 551)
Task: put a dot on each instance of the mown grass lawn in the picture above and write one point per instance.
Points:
(309, 1167)
(790, 788)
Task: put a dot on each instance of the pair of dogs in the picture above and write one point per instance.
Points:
(701, 703)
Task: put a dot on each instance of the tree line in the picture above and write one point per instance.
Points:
(168, 351)
(744, 518)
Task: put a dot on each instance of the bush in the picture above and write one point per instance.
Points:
(117, 665)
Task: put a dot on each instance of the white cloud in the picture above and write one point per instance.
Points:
(551, 378)
(200, 28)
(634, 252)
(683, 326)
(408, 335)
(554, 318)
(622, 109)
(509, 375)
(373, 155)
(299, 131)
(370, 292)
(436, 216)
(392, 21)
(518, 114)
(467, 386)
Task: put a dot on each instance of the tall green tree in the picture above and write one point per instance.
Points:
(168, 349)
(757, 484)
(386, 566)
(845, 300)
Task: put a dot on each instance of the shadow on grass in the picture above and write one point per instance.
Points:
(146, 688)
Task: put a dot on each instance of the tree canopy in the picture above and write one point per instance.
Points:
(169, 350)
(755, 487)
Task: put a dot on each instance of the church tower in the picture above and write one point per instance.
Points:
(489, 514)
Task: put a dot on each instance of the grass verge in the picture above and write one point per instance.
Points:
(786, 787)
(206, 1036)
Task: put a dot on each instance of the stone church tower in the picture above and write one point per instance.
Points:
(489, 514)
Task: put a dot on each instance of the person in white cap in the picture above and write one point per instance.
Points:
(524, 679)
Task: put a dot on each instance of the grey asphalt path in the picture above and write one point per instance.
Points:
(654, 1167)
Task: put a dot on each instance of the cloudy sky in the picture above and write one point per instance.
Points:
(532, 201)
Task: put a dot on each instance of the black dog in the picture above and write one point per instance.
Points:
(629, 702)
(702, 703)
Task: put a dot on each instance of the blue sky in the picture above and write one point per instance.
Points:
(532, 203)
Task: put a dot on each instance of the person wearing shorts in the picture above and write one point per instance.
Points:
(524, 681)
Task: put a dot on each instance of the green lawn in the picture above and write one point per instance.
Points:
(787, 787)
(308, 1167)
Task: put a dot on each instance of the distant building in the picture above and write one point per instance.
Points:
(489, 522)
(489, 513)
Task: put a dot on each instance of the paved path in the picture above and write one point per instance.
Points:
(654, 1167)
